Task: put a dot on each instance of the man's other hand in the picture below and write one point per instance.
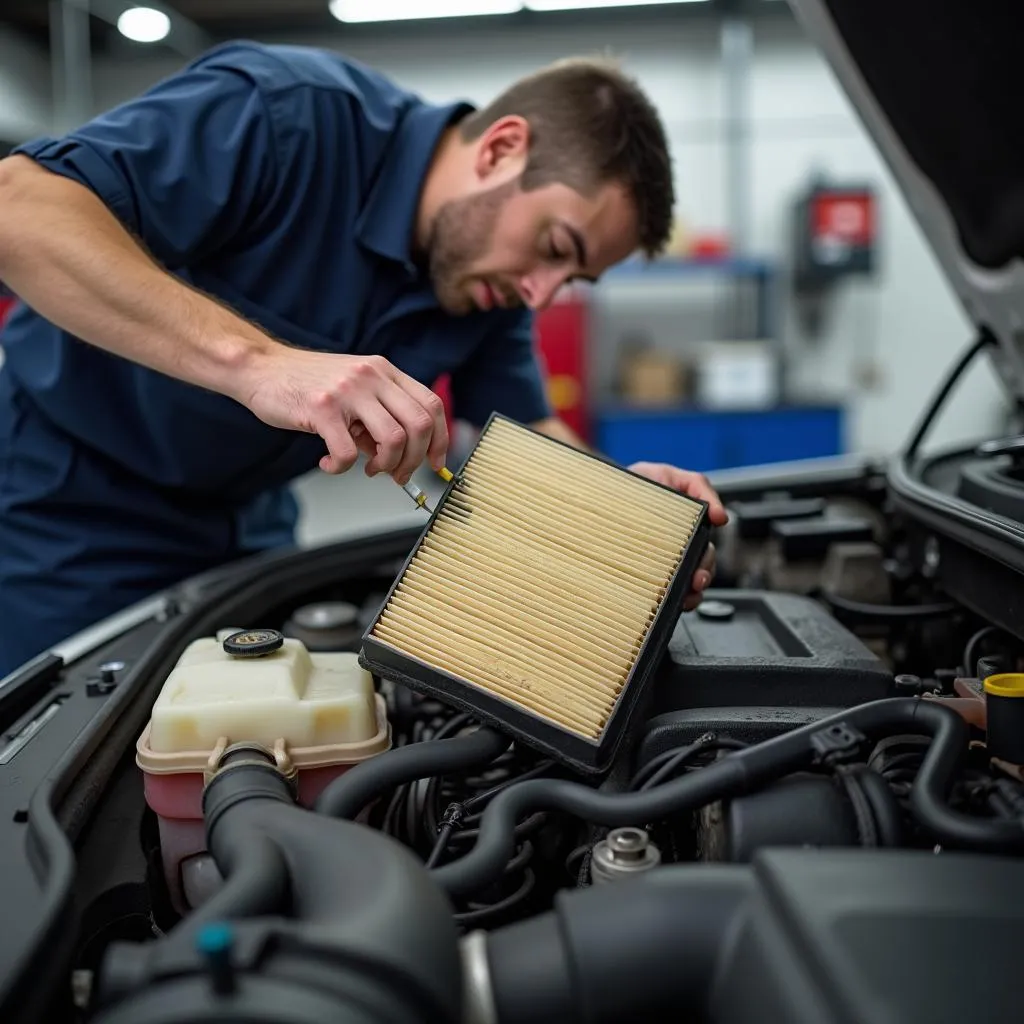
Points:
(695, 485)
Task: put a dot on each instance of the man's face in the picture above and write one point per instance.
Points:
(502, 247)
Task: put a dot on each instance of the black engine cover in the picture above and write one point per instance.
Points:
(753, 664)
(753, 648)
(880, 937)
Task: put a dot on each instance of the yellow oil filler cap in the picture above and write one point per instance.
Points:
(1004, 710)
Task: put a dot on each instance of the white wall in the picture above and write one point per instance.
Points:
(902, 329)
(25, 91)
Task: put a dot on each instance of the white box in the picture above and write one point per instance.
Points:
(737, 375)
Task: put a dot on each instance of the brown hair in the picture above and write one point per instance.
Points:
(591, 124)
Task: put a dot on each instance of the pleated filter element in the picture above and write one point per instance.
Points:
(542, 593)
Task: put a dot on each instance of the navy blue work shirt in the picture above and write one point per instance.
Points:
(284, 181)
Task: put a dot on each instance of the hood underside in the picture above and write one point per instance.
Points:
(940, 91)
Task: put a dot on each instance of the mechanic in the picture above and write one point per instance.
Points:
(262, 265)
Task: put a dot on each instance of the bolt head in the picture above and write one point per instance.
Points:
(628, 843)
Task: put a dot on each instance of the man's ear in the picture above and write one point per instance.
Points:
(503, 148)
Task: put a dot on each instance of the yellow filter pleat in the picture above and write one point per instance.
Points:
(540, 577)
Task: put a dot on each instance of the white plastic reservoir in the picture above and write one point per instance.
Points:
(316, 713)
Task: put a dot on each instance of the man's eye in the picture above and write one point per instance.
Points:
(555, 253)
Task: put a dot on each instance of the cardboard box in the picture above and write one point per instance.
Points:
(652, 378)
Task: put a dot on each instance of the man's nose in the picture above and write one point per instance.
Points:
(540, 287)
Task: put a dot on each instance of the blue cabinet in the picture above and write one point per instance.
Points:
(706, 440)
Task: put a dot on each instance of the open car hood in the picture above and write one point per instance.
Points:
(939, 89)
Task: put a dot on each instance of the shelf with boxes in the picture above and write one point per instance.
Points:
(694, 330)
(579, 343)
(674, 389)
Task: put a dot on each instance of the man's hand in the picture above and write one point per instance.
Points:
(355, 403)
(696, 486)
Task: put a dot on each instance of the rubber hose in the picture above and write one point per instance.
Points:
(859, 805)
(359, 786)
(257, 885)
(740, 773)
(253, 866)
(985, 338)
(884, 807)
(646, 949)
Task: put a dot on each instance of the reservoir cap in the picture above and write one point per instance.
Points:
(253, 643)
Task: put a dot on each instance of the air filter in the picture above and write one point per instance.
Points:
(542, 593)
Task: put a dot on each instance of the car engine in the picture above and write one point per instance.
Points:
(820, 799)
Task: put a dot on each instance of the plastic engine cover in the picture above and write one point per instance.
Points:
(893, 937)
(753, 648)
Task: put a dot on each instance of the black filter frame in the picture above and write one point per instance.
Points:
(558, 742)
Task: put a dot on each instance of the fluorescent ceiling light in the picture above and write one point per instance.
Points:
(404, 10)
(144, 24)
(582, 5)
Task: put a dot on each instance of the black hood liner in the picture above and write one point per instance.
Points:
(950, 78)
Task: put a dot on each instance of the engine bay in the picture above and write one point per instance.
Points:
(814, 813)
(816, 789)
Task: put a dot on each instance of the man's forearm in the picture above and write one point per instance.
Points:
(65, 254)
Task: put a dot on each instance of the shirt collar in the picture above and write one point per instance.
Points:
(386, 223)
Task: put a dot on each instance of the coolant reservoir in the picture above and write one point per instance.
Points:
(316, 713)
(322, 700)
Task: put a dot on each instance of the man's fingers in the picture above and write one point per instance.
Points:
(342, 450)
(401, 421)
(406, 421)
(705, 573)
(387, 434)
(696, 485)
(437, 449)
(702, 579)
(417, 423)
(364, 442)
(710, 559)
(699, 487)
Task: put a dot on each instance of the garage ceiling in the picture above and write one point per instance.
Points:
(227, 19)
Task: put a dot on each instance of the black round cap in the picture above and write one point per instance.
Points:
(253, 643)
(907, 685)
